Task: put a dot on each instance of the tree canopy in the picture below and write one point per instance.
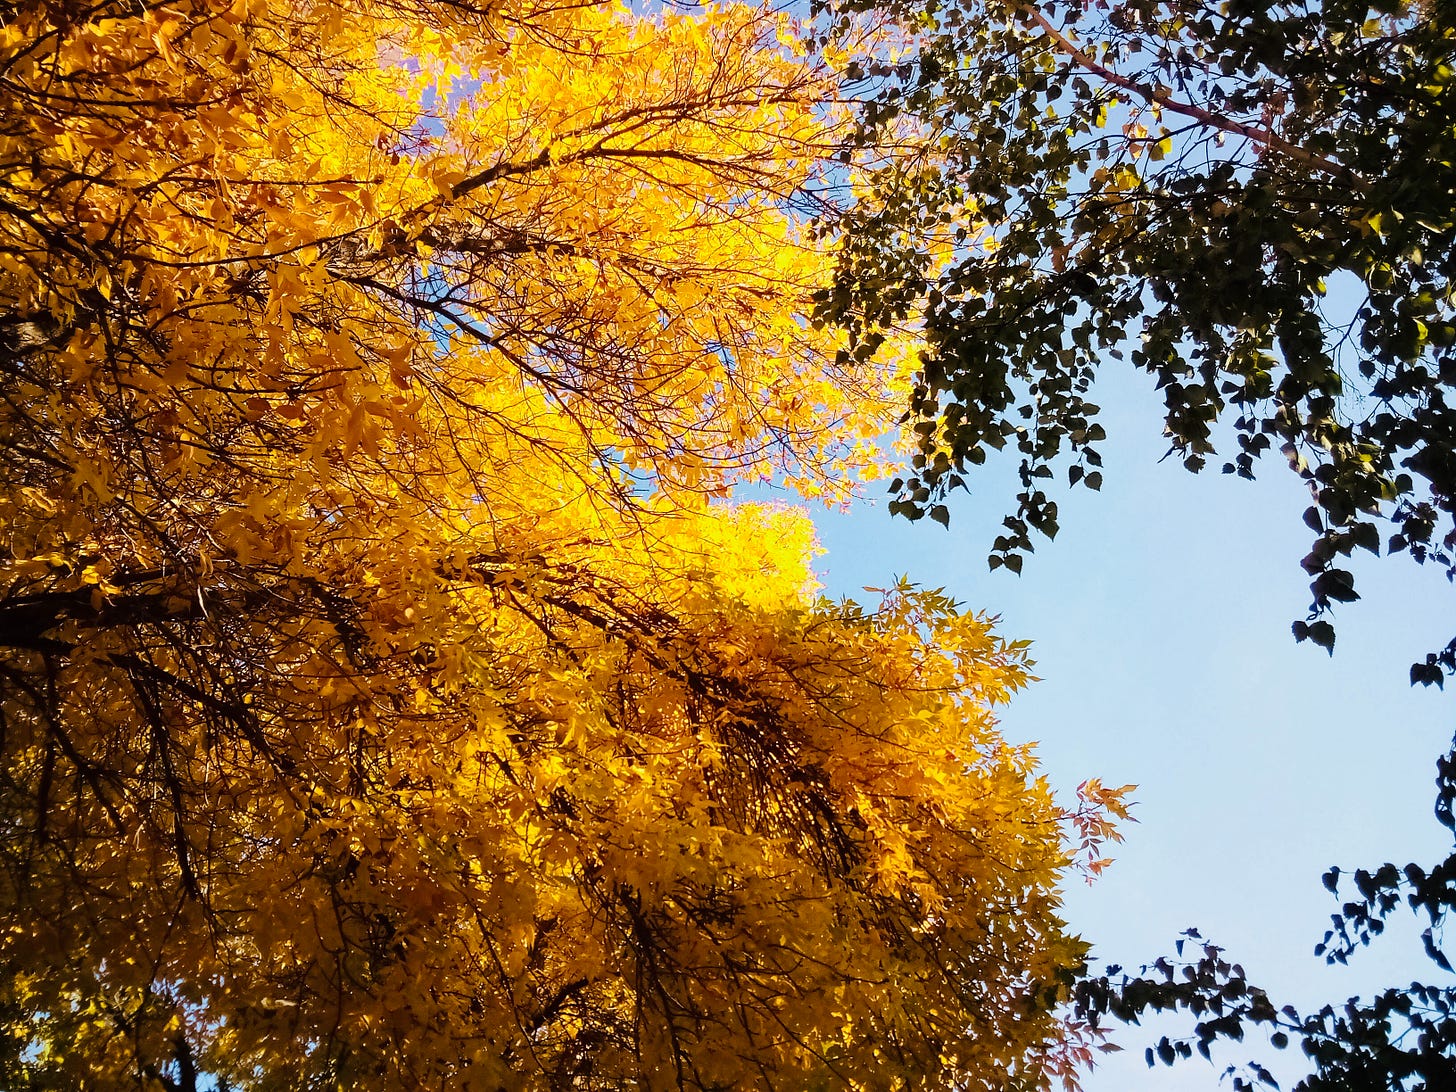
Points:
(1252, 202)
(387, 697)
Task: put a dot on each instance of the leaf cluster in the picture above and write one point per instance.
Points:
(388, 696)
(1402, 1039)
(1252, 203)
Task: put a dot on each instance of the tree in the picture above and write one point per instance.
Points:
(1401, 1040)
(1205, 185)
(1253, 203)
(385, 699)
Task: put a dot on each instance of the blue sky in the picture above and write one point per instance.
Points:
(1160, 620)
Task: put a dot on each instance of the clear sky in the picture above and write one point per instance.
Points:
(1160, 620)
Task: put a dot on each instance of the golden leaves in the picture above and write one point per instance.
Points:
(386, 701)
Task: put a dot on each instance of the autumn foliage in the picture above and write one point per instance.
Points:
(388, 696)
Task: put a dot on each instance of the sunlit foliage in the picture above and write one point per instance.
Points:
(387, 696)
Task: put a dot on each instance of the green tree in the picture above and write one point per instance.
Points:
(1403, 1039)
(1189, 187)
(1196, 190)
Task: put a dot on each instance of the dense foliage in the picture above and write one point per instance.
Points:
(1252, 202)
(385, 700)
(1255, 204)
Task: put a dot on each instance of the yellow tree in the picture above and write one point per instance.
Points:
(387, 696)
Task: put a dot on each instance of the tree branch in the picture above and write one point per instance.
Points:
(1164, 100)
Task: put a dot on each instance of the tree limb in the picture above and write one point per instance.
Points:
(1164, 100)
